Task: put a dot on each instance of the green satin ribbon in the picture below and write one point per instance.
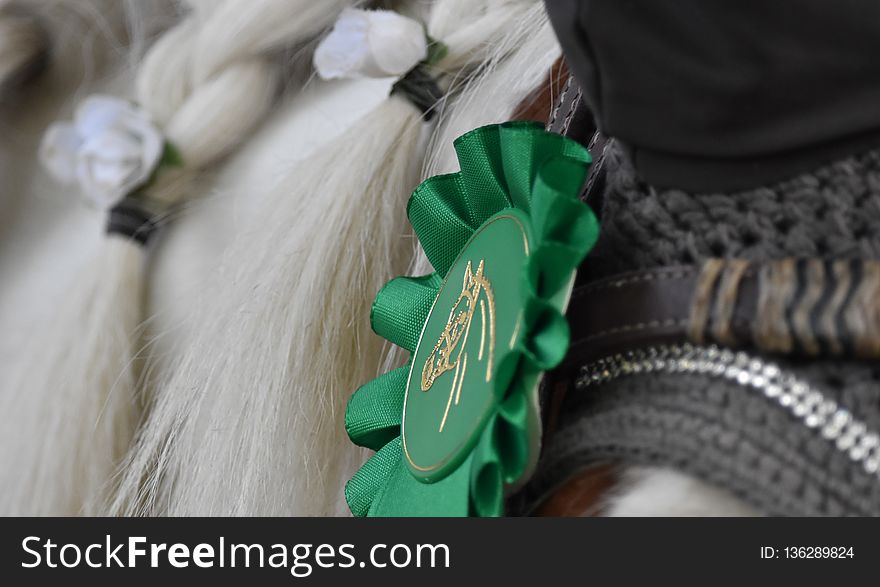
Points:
(512, 165)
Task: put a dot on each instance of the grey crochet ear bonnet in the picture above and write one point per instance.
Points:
(789, 418)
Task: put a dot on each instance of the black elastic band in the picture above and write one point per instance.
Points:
(131, 221)
(421, 89)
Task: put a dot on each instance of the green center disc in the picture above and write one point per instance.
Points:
(474, 323)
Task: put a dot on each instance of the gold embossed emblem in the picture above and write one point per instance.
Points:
(450, 352)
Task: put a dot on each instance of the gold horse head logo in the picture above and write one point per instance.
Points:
(450, 352)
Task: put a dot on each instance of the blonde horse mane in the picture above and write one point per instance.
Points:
(72, 406)
(247, 418)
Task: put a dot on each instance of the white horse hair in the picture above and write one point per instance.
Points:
(249, 418)
(654, 491)
(72, 408)
(23, 44)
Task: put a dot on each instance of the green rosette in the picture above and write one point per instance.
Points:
(458, 426)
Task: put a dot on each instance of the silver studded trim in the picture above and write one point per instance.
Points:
(798, 397)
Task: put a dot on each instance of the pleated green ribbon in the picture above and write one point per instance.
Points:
(513, 166)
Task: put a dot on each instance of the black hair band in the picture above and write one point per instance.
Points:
(132, 221)
(421, 89)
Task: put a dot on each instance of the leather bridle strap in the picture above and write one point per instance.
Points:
(796, 306)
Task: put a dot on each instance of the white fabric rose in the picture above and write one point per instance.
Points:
(111, 148)
(372, 44)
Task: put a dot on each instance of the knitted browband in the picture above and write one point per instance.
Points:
(808, 307)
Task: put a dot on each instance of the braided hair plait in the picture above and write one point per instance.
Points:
(73, 410)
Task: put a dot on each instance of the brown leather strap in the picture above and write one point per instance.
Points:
(629, 310)
(807, 307)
